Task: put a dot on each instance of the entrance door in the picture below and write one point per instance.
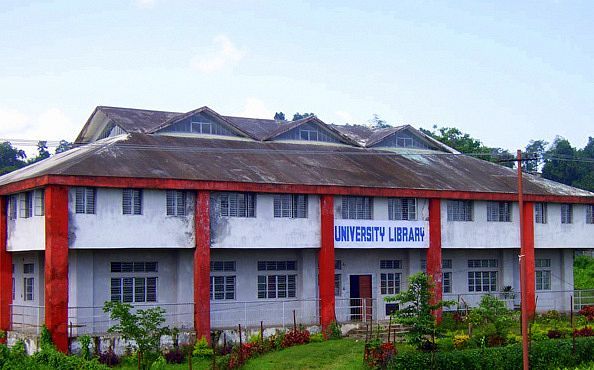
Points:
(360, 295)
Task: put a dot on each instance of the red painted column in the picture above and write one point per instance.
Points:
(56, 264)
(529, 258)
(202, 266)
(326, 262)
(5, 270)
(434, 252)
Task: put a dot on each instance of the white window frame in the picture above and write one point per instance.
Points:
(542, 274)
(28, 282)
(226, 288)
(590, 214)
(237, 205)
(540, 213)
(132, 202)
(390, 282)
(176, 202)
(402, 209)
(460, 210)
(128, 274)
(446, 276)
(271, 284)
(337, 278)
(566, 213)
(290, 205)
(39, 202)
(26, 204)
(499, 211)
(85, 201)
(308, 134)
(13, 207)
(357, 208)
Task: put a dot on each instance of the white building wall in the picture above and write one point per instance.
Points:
(265, 230)
(554, 234)
(26, 234)
(28, 315)
(110, 228)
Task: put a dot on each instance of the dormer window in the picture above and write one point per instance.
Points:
(200, 127)
(308, 134)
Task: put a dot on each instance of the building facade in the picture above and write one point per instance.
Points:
(226, 220)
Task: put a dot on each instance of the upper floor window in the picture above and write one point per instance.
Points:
(590, 213)
(176, 203)
(290, 205)
(85, 200)
(308, 134)
(357, 208)
(39, 202)
(402, 209)
(566, 213)
(201, 127)
(459, 210)
(12, 207)
(499, 211)
(237, 204)
(132, 201)
(26, 204)
(540, 213)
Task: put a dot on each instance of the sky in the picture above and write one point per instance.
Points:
(505, 72)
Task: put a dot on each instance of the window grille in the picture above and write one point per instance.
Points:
(482, 281)
(481, 263)
(26, 204)
(132, 201)
(499, 211)
(566, 213)
(446, 264)
(277, 286)
(237, 204)
(459, 210)
(290, 205)
(28, 268)
(222, 287)
(277, 265)
(12, 207)
(357, 208)
(134, 266)
(28, 288)
(540, 213)
(402, 209)
(543, 279)
(222, 266)
(590, 213)
(337, 264)
(308, 134)
(176, 203)
(337, 285)
(39, 202)
(134, 289)
(390, 264)
(542, 262)
(390, 283)
(85, 200)
(446, 281)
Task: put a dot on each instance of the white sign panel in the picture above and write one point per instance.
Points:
(380, 234)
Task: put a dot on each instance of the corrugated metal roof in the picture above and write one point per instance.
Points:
(168, 157)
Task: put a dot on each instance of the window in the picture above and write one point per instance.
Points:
(134, 267)
(493, 263)
(28, 281)
(237, 204)
(482, 281)
(337, 285)
(12, 207)
(540, 213)
(134, 289)
(308, 134)
(402, 209)
(446, 276)
(357, 208)
(201, 127)
(290, 205)
(566, 213)
(39, 202)
(26, 204)
(222, 266)
(85, 200)
(277, 285)
(459, 210)
(543, 273)
(590, 213)
(176, 203)
(499, 211)
(28, 268)
(390, 283)
(222, 283)
(132, 201)
(390, 264)
(337, 264)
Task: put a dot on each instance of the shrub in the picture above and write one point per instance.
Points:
(202, 349)
(584, 332)
(554, 334)
(378, 355)
(460, 341)
(109, 358)
(85, 343)
(316, 338)
(587, 312)
(159, 364)
(175, 356)
(295, 337)
(333, 331)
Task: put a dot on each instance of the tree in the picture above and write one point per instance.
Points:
(416, 311)
(11, 158)
(558, 164)
(279, 116)
(144, 327)
(42, 152)
(377, 123)
(535, 149)
(298, 116)
(63, 146)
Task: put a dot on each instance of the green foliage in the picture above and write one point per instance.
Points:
(583, 272)
(159, 364)
(316, 338)
(11, 158)
(45, 338)
(416, 310)
(549, 354)
(144, 327)
(492, 316)
(42, 152)
(333, 331)
(202, 349)
(63, 146)
(535, 149)
(298, 116)
(279, 116)
(85, 344)
(377, 123)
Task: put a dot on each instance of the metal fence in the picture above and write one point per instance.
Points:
(27, 319)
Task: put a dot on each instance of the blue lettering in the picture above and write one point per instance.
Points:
(382, 232)
(411, 235)
(404, 234)
(422, 232)
(336, 233)
(417, 237)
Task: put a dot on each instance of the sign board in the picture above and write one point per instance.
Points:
(380, 234)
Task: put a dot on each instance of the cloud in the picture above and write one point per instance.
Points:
(255, 108)
(227, 54)
(145, 4)
(344, 116)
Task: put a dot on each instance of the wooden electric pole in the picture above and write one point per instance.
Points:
(523, 286)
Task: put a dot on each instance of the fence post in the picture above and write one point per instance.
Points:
(245, 313)
(364, 310)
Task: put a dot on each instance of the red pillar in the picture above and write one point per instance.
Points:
(326, 261)
(5, 270)
(202, 266)
(434, 252)
(56, 265)
(529, 258)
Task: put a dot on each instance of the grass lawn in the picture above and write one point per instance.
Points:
(332, 354)
(197, 364)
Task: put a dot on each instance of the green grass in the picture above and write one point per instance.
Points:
(332, 354)
(197, 364)
(583, 272)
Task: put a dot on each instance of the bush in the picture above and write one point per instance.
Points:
(333, 331)
(584, 332)
(460, 341)
(175, 356)
(587, 312)
(202, 349)
(109, 358)
(295, 337)
(378, 355)
(316, 338)
(543, 355)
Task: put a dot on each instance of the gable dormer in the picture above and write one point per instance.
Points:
(310, 129)
(200, 122)
(405, 137)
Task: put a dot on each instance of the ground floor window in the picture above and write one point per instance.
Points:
(543, 273)
(482, 281)
(277, 286)
(446, 282)
(390, 283)
(222, 287)
(134, 289)
(28, 284)
(337, 285)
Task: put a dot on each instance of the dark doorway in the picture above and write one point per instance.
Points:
(360, 295)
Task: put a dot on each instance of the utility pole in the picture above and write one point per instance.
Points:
(523, 306)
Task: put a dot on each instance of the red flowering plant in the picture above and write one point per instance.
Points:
(295, 337)
(584, 332)
(587, 312)
(377, 354)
